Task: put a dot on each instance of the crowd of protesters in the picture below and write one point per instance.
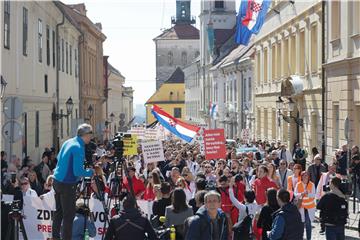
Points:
(215, 199)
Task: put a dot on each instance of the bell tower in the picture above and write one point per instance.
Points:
(183, 13)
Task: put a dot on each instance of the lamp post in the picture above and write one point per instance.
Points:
(90, 111)
(279, 107)
(69, 108)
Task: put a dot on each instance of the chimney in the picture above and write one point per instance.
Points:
(98, 25)
(80, 8)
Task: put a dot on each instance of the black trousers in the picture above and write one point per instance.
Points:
(65, 200)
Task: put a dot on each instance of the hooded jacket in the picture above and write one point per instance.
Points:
(200, 226)
(130, 225)
(280, 230)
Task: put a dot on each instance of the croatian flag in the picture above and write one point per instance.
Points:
(179, 128)
(250, 19)
(213, 110)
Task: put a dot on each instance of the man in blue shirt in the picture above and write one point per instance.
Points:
(69, 169)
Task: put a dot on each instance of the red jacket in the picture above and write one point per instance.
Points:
(260, 187)
(226, 204)
(149, 194)
(138, 185)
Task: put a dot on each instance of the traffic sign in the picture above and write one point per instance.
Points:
(12, 131)
(13, 107)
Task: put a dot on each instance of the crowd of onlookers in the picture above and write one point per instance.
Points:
(266, 187)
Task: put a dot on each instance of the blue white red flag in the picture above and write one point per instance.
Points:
(177, 127)
(250, 19)
(213, 110)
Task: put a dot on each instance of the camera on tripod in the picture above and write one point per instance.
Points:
(90, 150)
(118, 144)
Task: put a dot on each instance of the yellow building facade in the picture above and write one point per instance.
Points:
(170, 97)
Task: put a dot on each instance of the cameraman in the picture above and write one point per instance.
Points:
(69, 169)
(334, 211)
(82, 213)
(130, 224)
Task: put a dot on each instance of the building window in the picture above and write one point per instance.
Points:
(40, 44)
(293, 54)
(170, 58)
(62, 55)
(266, 125)
(278, 60)
(67, 57)
(249, 90)
(183, 58)
(273, 62)
(219, 4)
(177, 112)
(265, 65)
(286, 58)
(335, 20)
(76, 113)
(76, 63)
(258, 66)
(314, 124)
(7, 24)
(53, 48)
(336, 126)
(273, 124)
(46, 83)
(37, 128)
(61, 125)
(47, 45)
(356, 17)
(25, 31)
(357, 123)
(258, 127)
(302, 53)
(70, 57)
(314, 48)
(197, 53)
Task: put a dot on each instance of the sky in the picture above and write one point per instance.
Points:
(130, 26)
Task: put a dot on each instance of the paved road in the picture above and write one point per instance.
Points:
(349, 233)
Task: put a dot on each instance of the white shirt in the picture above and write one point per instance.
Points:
(30, 193)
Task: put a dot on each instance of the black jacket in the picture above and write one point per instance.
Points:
(130, 225)
(333, 209)
(265, 219)
(291, 214)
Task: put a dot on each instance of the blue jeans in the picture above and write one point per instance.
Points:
(308, 227)
(335, 232)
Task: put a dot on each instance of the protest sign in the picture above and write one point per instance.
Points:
(214, 142)
(130, 145)
(153, 151)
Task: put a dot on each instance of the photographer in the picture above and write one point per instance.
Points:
(130, 224)
(82, 213)
(69, 169)
(333, 207)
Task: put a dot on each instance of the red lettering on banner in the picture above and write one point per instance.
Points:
(101, 231)
(44, 228)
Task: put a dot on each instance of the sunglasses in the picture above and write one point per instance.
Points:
(282, 163)
(24, 183)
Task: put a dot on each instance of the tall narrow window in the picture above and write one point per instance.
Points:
(70, 58)
(67, 57)
(258, 125)
(266, 124)
(357, 123)
(293, 54)
(177, 112)
(302, 53)
(273, 62)
(278, 60)
(183, 58)
(335, 19)
(219, 4)
(314, 129)
(286, 57)
(273, 124)
(76, 63)
(62, 55)
(40, 42)
(356, 17)
(266, 65)
(7, 24)
(249, 90)
(258, 68)
(54, 48)
(37, 128)
(170, 59)
(314, 47)
(25, 31)
(48, 45)
(336, 126)
(46, 83)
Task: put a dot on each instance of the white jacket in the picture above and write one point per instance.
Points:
(287, 156)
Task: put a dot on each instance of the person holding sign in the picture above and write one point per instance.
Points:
(69, 169)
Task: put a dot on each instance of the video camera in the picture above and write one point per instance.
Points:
(118, 145)
(90, 150)
(344, 187)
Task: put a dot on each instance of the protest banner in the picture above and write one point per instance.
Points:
(130, 145)
(214, 141)
(153, 151)
(138, 131)
(38, 217)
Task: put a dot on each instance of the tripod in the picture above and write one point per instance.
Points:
(15, 225)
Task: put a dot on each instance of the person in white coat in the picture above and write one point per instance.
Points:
(283, 173)
(305, 192)
(285, 154)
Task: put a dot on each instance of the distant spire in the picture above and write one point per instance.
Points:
(183, 13)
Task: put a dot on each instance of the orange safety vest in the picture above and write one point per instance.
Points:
(307, 202)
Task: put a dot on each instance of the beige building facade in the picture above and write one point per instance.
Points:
(288, 65)
(29, 63)
(342, 71)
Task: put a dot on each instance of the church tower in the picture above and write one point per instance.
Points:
(183, 13)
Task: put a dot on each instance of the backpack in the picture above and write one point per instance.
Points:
(243, 230)
(188, 221)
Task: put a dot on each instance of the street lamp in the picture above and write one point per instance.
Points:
(291, 105)
(90, 111)
(69, 105)
(3, 86)
(112, 117)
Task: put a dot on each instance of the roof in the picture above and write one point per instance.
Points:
(222, 35)
(113, 70)
(176, 77)
(178, 32)
(76, 18)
